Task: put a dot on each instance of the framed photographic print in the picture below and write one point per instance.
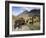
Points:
(24, 18)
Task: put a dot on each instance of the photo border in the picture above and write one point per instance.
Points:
(7, 18)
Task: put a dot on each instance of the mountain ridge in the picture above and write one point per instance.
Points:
(31, 12)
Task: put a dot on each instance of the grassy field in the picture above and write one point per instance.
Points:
(35, 26)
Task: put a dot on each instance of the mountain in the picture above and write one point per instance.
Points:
(35, 11)
(31, 12)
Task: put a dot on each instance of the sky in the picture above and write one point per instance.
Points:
(17, 10)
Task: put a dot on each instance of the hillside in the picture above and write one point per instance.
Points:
(31, 13)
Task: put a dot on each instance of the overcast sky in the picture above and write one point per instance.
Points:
(17, 10)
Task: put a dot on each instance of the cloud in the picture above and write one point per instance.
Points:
(29, 8)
